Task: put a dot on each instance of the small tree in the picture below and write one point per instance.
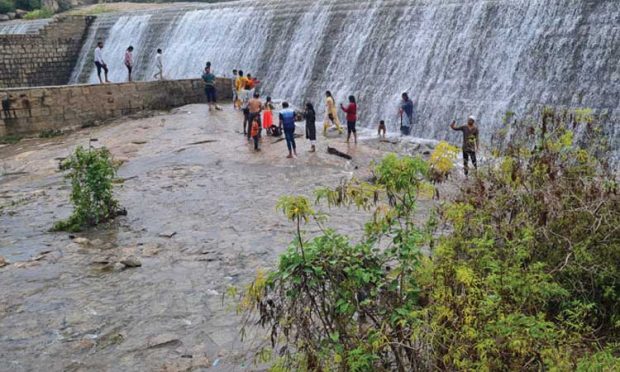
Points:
(92, 173)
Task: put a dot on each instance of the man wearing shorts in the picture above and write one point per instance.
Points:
(100, 64)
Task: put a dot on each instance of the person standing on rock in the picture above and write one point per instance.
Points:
(331, 114)
(255, 107)
(310, 116)
(100, 63)
(234, 88)
(209, 78)
(129, 61)
(159, 65)
(287, 123)
(351, 112)
(406, 115)
(471, 142)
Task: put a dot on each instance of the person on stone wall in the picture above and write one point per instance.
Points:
(159, 65)
(331, 114)
(129, 61)
(210, 91)
(406, 114)
(471, 142)
(100, 63)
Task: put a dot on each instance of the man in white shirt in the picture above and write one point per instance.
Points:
(100, 63)
(159, 65)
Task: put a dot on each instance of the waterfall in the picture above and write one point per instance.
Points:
(454, 57)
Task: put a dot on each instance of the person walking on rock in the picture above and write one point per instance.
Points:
(234, 88)
(100, 63)
(351, 111)
(129, 61)
(210, 91)
(255, 107)
(471, 142)
(159, 65)
(406, 115)
(331, 115)
(310, 116)
(287, 123)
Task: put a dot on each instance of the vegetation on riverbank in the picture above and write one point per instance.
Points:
(522, 273)
(92, 173)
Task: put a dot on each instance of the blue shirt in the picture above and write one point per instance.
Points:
(287, 116)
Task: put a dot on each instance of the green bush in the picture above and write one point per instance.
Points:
(92, 173)
(6, 6)
(28, 4)
(39, 14)
(523, 272)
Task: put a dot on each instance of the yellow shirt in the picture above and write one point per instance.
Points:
(331, 106)
(241, 83)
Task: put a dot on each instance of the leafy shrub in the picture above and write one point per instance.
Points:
(6, 6)
(39, 14)
(523, 271)
(28, 4)
(92, 173)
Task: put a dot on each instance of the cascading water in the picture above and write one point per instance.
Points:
(21, 27)
(454, 57)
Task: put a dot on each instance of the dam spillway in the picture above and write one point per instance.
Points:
(454, 57)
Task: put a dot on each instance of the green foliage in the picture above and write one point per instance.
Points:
(28, 4)
(523, 272)
(92, 174)
(11, 139)
(50, 133)
(6, 6)
(39, 14)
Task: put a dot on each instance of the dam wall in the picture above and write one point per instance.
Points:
(37, 109)
(455, 57)
(46, 57)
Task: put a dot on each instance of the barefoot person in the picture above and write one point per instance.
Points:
(255, 131)
(255, 106)
(351, 111)
(406, 115)
(381, 131)
(210, 92)
(159, 65)
(471, 142)
(310, 116)
(287, 123)
(268, 114)
(129, 61)
(331, 114)
(100, 63)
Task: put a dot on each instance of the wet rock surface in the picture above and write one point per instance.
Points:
(145, 291)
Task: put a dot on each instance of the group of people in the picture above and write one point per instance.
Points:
(258, 115)
(128, 61)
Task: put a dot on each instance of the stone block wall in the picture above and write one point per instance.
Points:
(37, 109)
(46, 58)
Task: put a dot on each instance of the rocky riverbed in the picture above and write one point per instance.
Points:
(145, 291)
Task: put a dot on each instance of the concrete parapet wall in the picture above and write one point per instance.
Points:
(46, 58)
(34, 110)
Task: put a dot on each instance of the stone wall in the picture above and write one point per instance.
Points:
(46, 58)
(34, 110)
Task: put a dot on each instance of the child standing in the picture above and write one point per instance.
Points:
(381, 129)
(255, 132)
